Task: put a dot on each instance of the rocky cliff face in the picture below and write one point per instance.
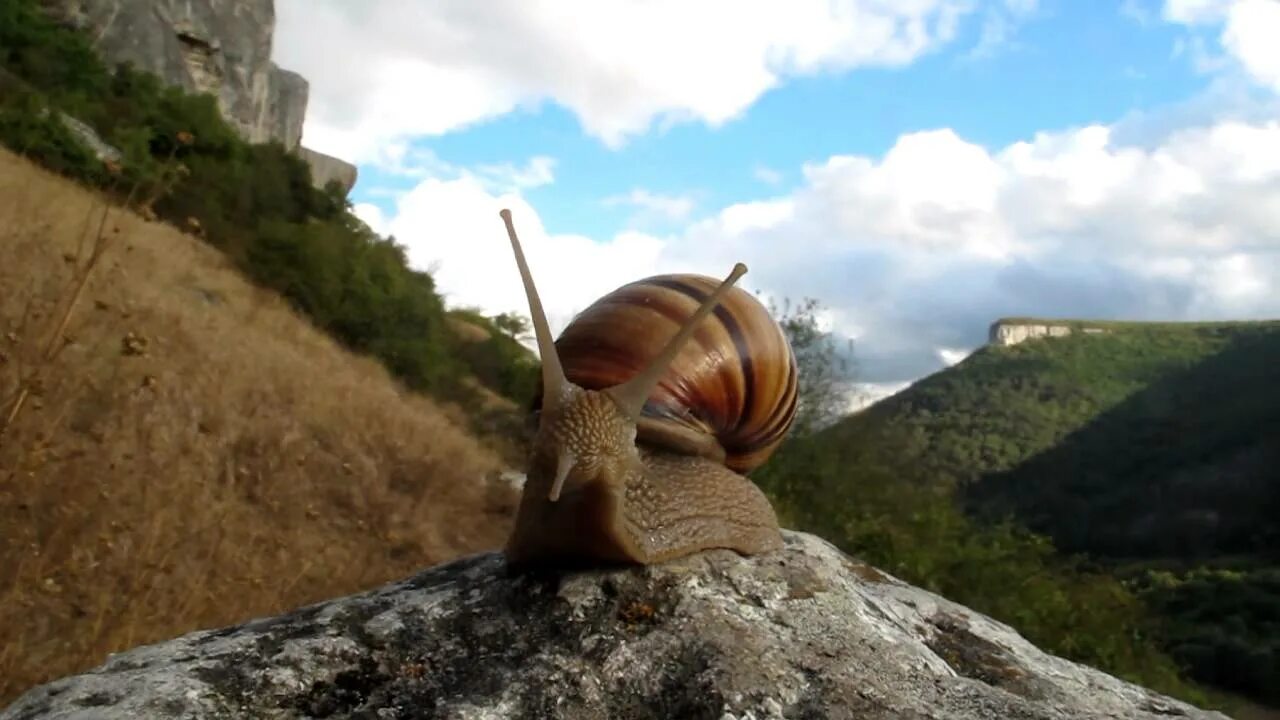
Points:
(806, 632)
(326, 169)
(220, 47)
(1012, 332)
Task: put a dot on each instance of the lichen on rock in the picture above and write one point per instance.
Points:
(806, 632)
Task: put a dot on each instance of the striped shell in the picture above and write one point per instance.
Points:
(735, 381)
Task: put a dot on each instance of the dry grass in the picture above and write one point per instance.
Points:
(194, 454)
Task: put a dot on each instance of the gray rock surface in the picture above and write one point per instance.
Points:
(100, 148)
(803, 633)
(220, 47)
(326, 168)
(1013, 332)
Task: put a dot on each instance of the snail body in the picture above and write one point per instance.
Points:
(650, 412)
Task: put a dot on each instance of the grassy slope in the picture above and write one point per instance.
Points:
(241, 465)
(1150, 445)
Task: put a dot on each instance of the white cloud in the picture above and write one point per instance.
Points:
(999, 25)
(915, 253)
(1137, 11)
(766, 175)
(654, 205)
(453, 227)
(386, 70)
(1248, 34)
(538, 172)
(1190, 12)
(372, 216)
(410, 161)
(1253, 27)
(951, 356)
(864, 395)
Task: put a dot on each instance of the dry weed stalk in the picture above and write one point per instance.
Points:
(89, 254)
(241, 465)
(56, 338)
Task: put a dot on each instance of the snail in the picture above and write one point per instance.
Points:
(649, 421)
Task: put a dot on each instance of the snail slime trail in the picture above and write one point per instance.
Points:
(640, 457)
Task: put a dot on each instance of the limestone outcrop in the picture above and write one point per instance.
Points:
(1012, 332)
(220, 47)
(806, 632)
(326, 169)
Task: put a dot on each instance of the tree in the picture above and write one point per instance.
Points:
(825, 374)
(515, 326)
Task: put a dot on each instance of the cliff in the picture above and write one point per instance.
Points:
(805, 632)
(1011, 331)
(220, 47)
(326, 169)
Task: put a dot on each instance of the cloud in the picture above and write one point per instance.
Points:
(372, 216)
(1136, 11)
(915, 252)
(951, 356)
(999, 24)
(863, 395)
(1248, 32)
(538, 172)
(452, 227)
(766, 175)
(410, 161)
(1250, 35)
(1191, 12)
(657, 206)
(382, 71)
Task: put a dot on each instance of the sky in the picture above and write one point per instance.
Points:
(919, 167)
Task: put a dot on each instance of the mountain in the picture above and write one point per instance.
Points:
(1149, 449)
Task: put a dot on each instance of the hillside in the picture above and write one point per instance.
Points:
(1182, 469)
(265, 409)
(171, 154)
(196, 453)
(1145, 447)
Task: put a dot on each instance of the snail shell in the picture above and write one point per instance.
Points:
(731, 392)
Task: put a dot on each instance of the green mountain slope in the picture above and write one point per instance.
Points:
(1184, 468)
(1152, 449)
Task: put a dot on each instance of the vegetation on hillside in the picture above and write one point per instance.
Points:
(1193, 441)
(880, 484)
(1151, 444)
(180, 450)
(1174, 485)
(255, 202)
(871, 493)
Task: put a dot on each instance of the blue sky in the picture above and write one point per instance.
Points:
(1069, 63)
(920, 167)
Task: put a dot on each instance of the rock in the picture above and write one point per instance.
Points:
(325, 168)
(803, 633)
(1011, 332)
(220, 47)
(100, 148)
